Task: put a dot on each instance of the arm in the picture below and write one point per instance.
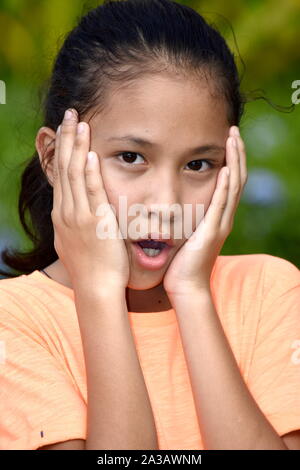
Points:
(228, 414)
(119, 412)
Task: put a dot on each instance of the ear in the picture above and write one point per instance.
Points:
(45, 146)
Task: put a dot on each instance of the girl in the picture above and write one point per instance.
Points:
(148, 340)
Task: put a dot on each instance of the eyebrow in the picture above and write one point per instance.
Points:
(147, 143)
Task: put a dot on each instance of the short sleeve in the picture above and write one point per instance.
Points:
(39, 404)
(274, 374)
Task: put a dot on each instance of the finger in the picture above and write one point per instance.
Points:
(57, 195)
(66, 141)
(94, 183)
(243, 160)
(215, 211)
(233, 132)
(76, 169)
(209, 225)
(233, 158)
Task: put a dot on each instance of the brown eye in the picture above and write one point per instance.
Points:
(198, 164)
(129, 157)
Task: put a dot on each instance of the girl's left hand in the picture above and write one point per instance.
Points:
(192, 265)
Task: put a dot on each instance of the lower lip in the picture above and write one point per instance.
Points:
(151, 262)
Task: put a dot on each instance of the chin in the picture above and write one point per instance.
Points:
(144, 282)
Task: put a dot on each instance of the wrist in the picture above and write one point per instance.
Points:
(190, 294)
(104, 301)
(98, 289)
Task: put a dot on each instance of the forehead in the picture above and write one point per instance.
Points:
(162, 107)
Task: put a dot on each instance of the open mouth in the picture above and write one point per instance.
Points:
(152, 248)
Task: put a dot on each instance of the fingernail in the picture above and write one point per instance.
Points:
(90, 158)
(233, 141)
(69, 114)
(58, 130)
(236, 131)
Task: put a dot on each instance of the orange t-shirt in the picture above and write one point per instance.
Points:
(43, 394)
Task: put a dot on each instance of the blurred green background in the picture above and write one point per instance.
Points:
(267, 50)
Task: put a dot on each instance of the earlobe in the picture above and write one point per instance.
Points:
(45, 146)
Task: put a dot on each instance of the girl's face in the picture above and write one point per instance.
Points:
(175, 118)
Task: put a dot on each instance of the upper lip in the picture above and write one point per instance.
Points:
(157, 237)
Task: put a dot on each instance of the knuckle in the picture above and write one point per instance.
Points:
(54, 177)
(79, 140)
(91, 179)
(67, 218)
(81, 220)
(73, 173)
(54, 216)
(90, 172)
(60, 165)
(221, 205)
(68, 126)
(91, 189)
(236, 190)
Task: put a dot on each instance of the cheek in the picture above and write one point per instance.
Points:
(205, 193)
(115, 186)
(121, 193)
(210, 192)
(200, 202)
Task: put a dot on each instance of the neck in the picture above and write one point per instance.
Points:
(149, 300)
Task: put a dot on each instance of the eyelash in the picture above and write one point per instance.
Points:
(211, 165)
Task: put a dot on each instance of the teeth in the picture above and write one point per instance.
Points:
(151, 251)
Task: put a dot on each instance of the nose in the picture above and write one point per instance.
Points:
(163, 198)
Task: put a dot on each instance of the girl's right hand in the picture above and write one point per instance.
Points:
(78, 190)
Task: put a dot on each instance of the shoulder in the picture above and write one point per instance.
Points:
(254, 282)
(20, 296)
(35, 301)
(15, 288)
(262, 266)
(266, 282)
(34, 288)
